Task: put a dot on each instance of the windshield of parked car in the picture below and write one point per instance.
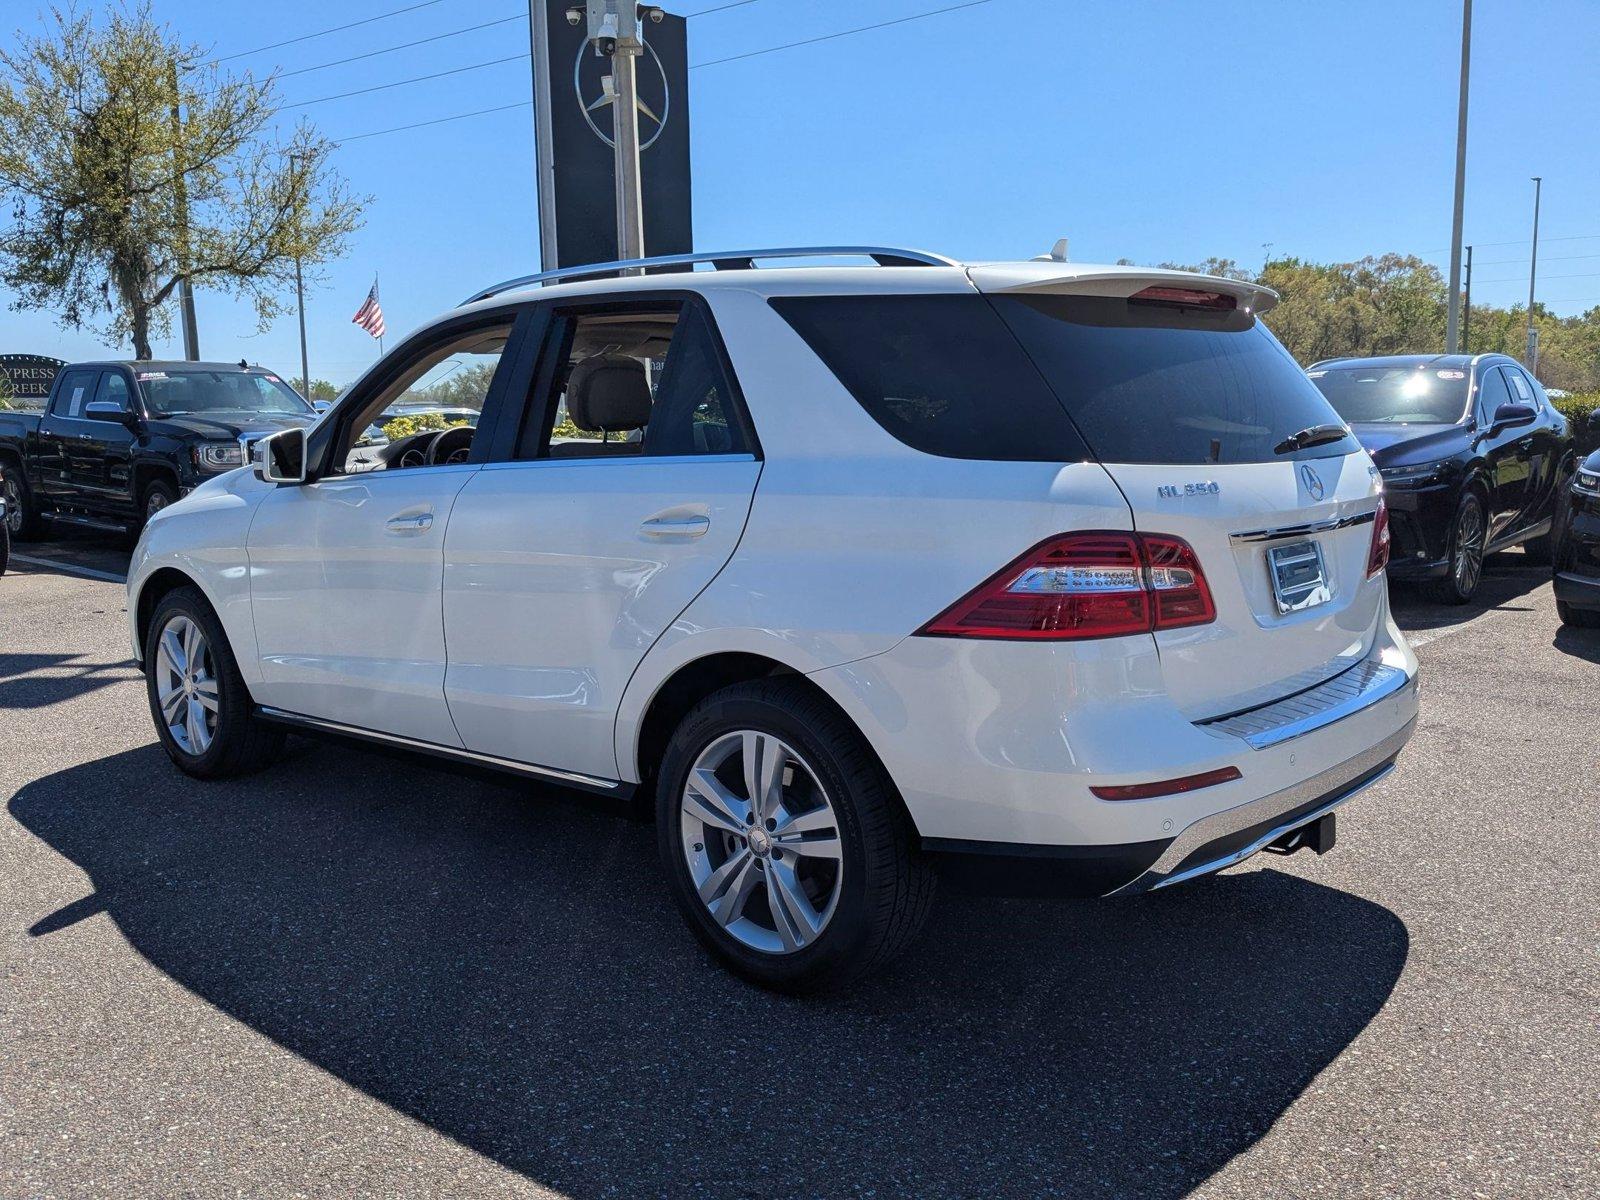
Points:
(179, 393)
(1399, 395)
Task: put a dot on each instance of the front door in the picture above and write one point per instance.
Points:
(346, 571)
(59, 435)
(634, 478)
(1507, 453)
(101, 455)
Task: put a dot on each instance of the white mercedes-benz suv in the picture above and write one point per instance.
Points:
(1039, 576)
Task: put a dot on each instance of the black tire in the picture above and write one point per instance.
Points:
(1466, 560)
(885, 886)
(23, 517)
(1578, 618)
(155, 496)
(241, 742)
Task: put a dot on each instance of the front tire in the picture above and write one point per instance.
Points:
(156, 496)
(1468, 535)
(786, 850)
(1578, 618)
(201, 707)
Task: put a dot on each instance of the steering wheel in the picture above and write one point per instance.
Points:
(450, 446)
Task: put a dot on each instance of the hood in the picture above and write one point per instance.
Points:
(1401, 445)
(228, 426)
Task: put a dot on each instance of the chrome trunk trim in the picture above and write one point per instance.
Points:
(1291, 531)
(1346, 694)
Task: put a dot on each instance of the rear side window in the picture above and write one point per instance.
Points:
(942, 373)
(1160, 383)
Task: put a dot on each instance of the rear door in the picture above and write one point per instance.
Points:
(1192, 407)
(633, 474)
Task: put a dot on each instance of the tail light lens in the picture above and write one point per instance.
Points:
(1378, 555)
(1185, 298)
(1085, 585)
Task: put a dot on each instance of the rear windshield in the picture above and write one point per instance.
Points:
(1058, 378)
(1401, 395)
(1156, 383)
(175, 393)
(940, 372)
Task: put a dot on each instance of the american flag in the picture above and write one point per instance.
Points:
(370, 315)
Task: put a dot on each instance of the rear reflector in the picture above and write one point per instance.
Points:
(1378, 554)
(1085, 585)
(1185, 298)
(1168, 787)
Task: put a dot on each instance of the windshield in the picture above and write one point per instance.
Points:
(1152, 383)
(1400, 395)
(180, 393)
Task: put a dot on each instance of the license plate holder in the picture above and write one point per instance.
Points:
(1299, 576)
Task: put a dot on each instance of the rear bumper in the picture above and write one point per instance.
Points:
(1577, 590)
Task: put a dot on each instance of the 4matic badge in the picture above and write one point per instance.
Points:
(1205, 487)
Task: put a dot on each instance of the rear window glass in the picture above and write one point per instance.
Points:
(1395, 394)
(1155, 383)
(941, 373)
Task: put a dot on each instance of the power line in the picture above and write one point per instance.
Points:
(438, 37)
(1505, 262)
(705, 12)
(436, 121)
(1542, 278)
(1522, 241)
(380, 87)
(306, 37)
(828, 37)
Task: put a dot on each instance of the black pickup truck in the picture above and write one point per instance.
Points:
(117, 441)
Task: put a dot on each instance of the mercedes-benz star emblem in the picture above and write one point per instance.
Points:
(600, 80)
(1313, 482)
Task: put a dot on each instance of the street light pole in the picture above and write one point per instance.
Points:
(191, 331)
(300, 291)
(1466, 312)
(1453, 320)
(1532, 356)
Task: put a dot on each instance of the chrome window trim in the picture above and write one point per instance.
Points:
(1290, 531)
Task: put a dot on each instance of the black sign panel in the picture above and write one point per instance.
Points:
(577, 184)
(25, 379)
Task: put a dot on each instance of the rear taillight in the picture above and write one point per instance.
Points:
(1378, 554)
(1185, 298)
(1085, 585)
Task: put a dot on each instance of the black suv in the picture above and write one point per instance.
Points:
(119, 440)
(1473, 457)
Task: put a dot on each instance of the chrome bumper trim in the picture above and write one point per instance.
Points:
(1328, 783)
(1346, 694)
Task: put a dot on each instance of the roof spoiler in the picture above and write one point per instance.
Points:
(1115, 281)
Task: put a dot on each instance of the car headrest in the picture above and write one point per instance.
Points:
(609, 393)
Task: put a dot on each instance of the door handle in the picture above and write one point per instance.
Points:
(675, 528)
(419, 523)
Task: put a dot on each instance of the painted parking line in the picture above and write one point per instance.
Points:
(50, 564)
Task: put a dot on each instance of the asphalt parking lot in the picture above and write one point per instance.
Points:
(362, 976)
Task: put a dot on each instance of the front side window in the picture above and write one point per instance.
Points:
(1395, 394)
(427, 414)
(73, 392)
(1492, 393)
(113, 389)
(639, 382)
(189, 392)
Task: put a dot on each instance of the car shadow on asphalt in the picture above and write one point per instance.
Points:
(1580, 643)
(506, 967)
(39, 680)
(1508, 578)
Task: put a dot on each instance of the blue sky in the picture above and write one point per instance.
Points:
(1147, 129)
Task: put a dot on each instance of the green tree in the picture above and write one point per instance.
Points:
(321, 389)
(117, 198)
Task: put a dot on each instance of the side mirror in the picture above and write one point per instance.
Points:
(1509, 416)
(105, 410)
(281, 458)
(1594, 421)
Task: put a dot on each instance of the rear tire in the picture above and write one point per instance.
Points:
(848, 901)
(21, 515)
(1468, 534)
(202, 709)
(1578, 618)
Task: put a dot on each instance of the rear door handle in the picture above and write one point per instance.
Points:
(675, 528)
(419, 523)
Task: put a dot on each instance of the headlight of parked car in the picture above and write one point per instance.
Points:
(1413, 476)
(218, 456)
(1587, 481)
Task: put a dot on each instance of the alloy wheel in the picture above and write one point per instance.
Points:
(1468, 565)
(154, 503)
(761, 838)
(14, 514)
(186, 685)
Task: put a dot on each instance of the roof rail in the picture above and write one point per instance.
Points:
(722, 260)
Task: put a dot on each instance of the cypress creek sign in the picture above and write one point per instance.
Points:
(25, 379)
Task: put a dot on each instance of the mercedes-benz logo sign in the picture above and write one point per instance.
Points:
(599, 82)
(1313, 482)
